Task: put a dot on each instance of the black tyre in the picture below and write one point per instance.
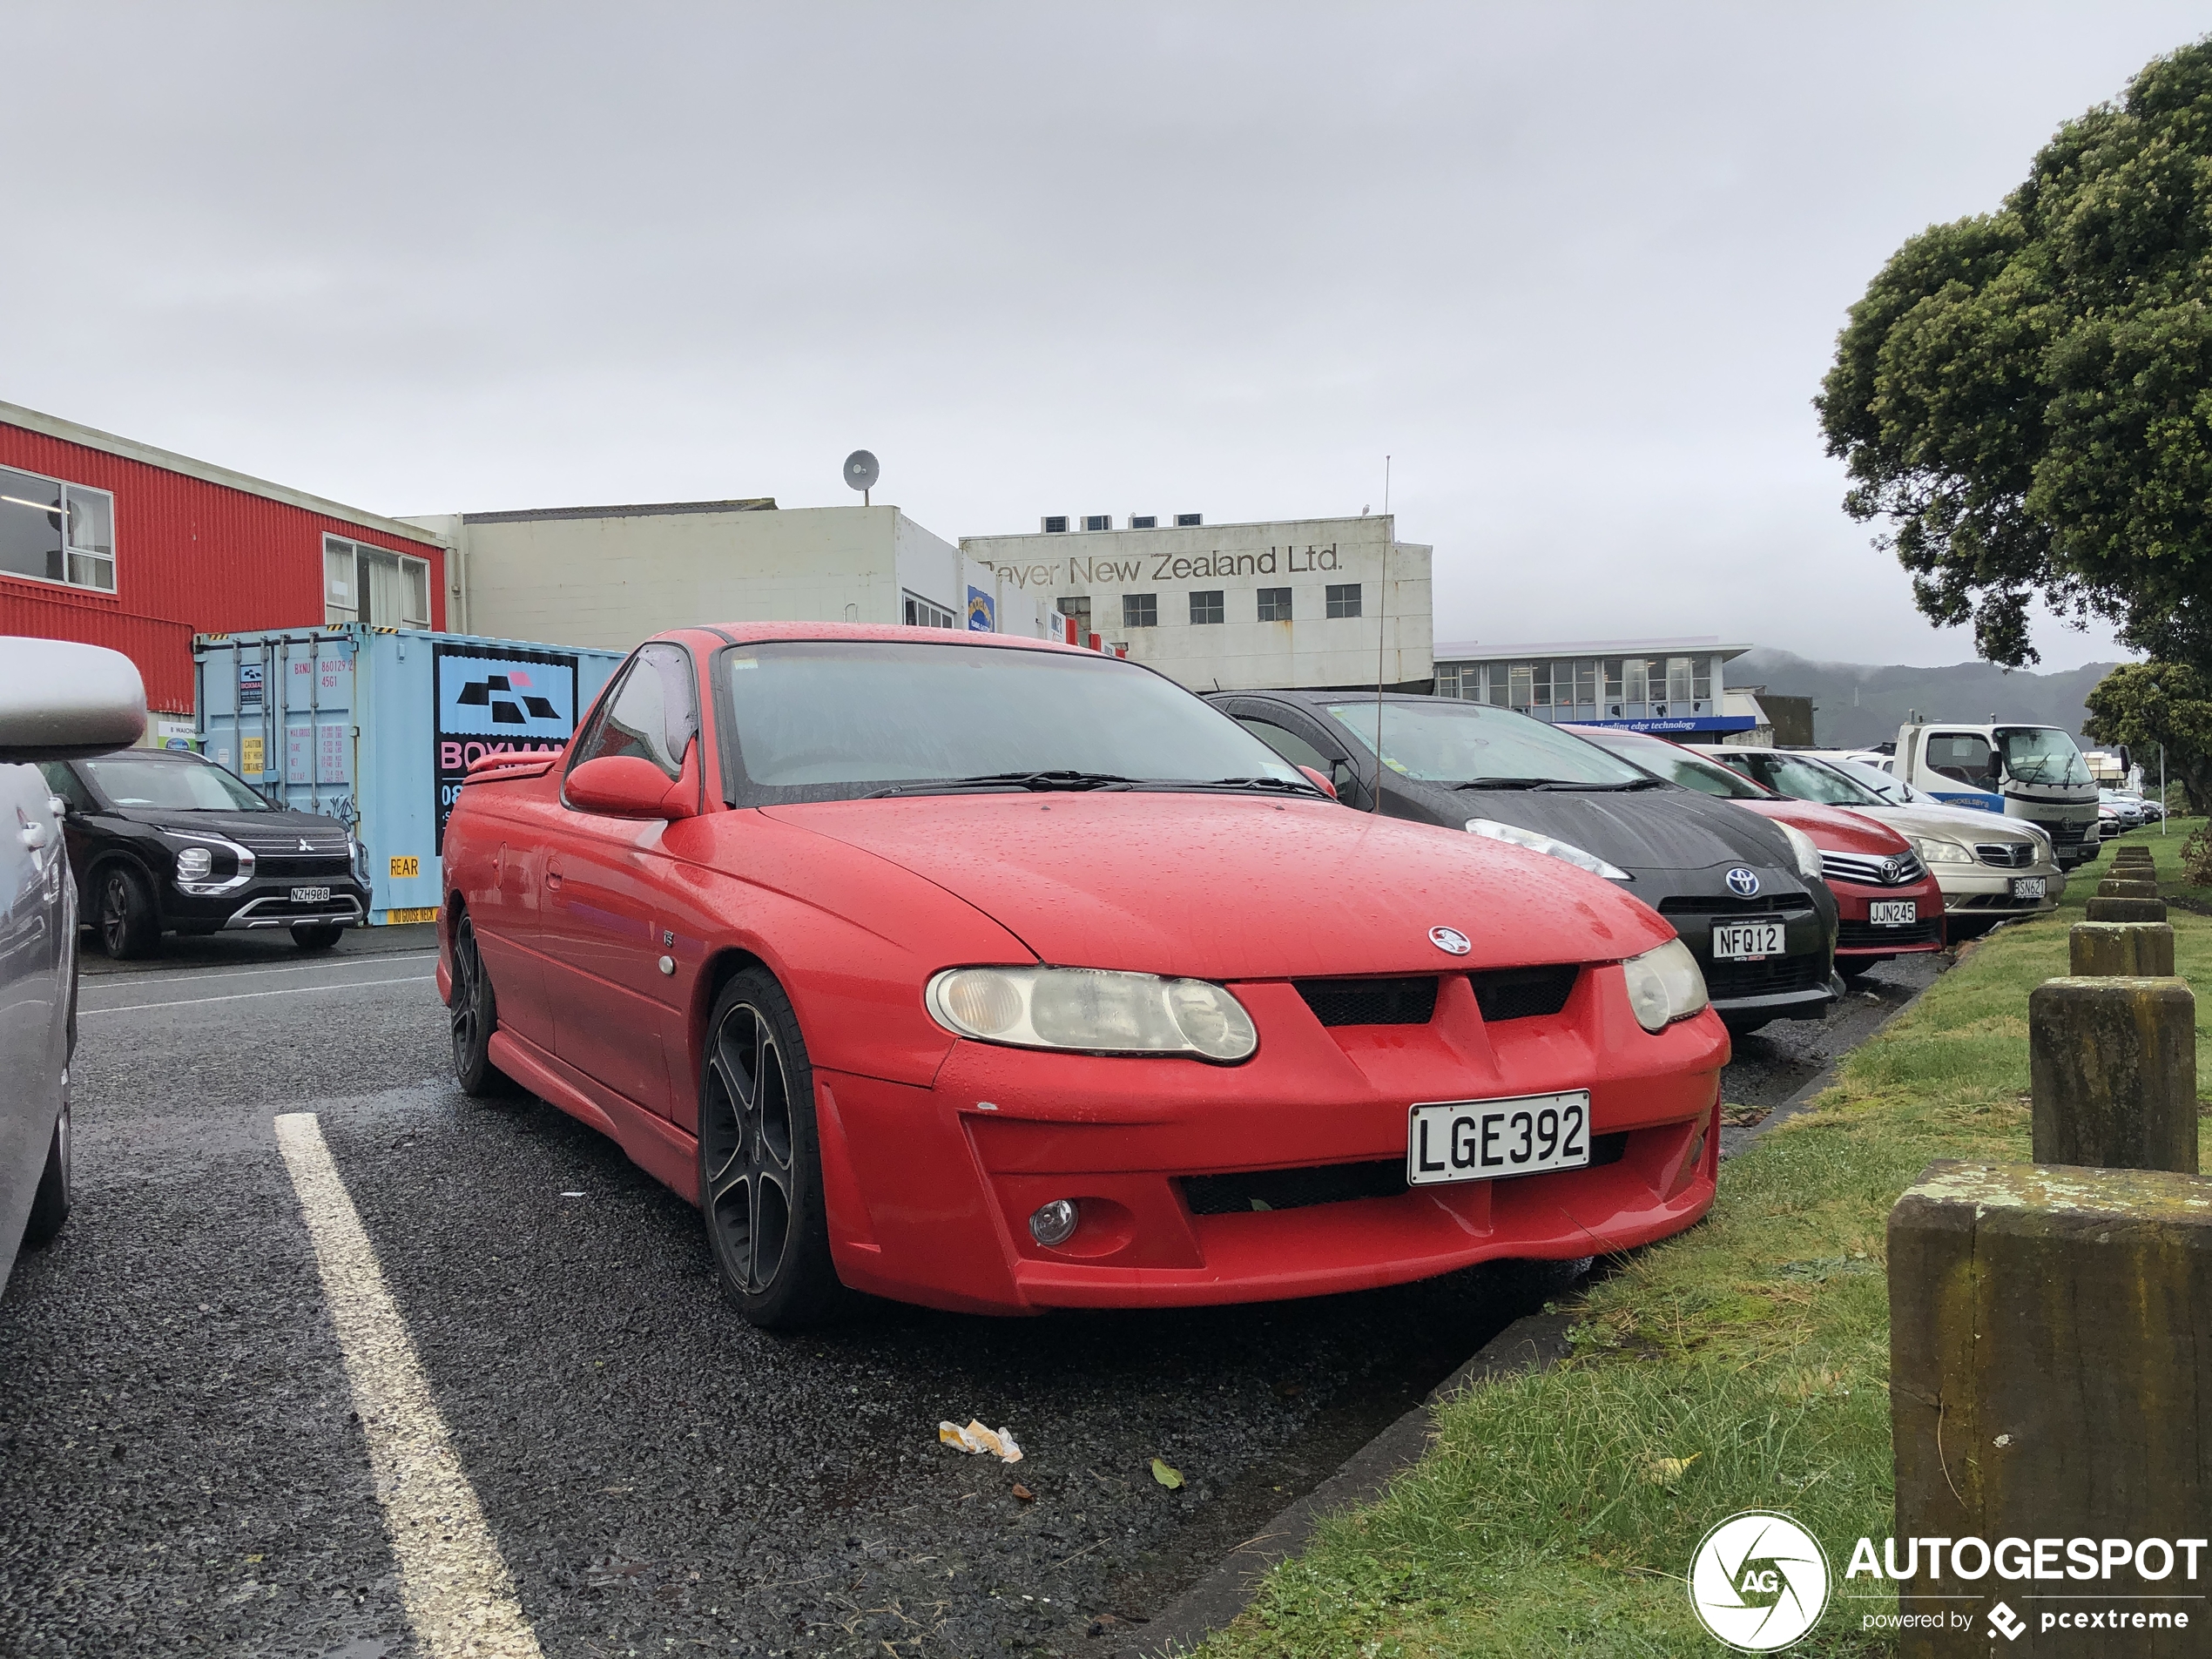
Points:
(123, 916)
(474, 1012)
(761, 1169)
(50, 1204)
(316, 935)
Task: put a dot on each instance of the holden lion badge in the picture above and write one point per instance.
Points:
(1759, 1581)
(1450, 939)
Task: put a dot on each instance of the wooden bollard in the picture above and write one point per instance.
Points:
(2047, 1382)
(2112, 1073)
(2127, 909)
(2119, 886)
(2130, 950)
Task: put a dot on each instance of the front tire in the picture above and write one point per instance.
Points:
(125, 921)
(50, 1204)
(316, 935)
(760, 1167)
(473, 1011)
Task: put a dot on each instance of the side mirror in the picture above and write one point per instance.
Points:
(624, 786)
(1319, 781)
(1341, 777)
(60, 700)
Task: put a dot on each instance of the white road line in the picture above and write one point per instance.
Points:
(377, 960)
(460, 1597)
(241, 997)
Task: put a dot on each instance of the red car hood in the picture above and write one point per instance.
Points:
(1833, 829)
(1227, 887)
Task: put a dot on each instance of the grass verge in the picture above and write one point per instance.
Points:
(1742, 1365)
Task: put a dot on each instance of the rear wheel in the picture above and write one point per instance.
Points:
(473, 1011)
(316, 935)
(761, 1183)
(50, 1204)
(126, 922)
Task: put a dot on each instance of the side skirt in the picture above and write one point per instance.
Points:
(654, 1145)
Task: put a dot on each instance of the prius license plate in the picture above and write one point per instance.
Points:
(1747, 941)
(1480, 1140)
(311, 895)
(1893, 913)
(2028, 886)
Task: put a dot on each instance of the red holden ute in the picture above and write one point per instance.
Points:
(1887, 904)
(1001, 976)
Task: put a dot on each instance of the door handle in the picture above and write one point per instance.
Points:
(553, 875)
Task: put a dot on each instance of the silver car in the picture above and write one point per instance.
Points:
(58, 701)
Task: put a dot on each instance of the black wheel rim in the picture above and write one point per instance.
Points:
(746, 1139)
(115, 912)
(467, 973)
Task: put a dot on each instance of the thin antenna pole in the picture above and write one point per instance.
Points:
(1382, 637)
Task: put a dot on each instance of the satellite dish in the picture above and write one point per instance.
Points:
(860, 472)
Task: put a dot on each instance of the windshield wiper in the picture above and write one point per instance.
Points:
(1278, 785)
(1503, 783)
(1632, 783)
(1054, 779)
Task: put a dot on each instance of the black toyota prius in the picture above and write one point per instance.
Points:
(1744, 894)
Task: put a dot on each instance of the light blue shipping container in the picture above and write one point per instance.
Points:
(377, 726)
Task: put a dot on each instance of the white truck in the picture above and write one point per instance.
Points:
(2035, 772)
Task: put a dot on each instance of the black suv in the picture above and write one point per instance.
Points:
(1745, 895)
(163, 841)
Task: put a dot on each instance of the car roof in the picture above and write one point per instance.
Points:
(1348, 694)
(755, 633)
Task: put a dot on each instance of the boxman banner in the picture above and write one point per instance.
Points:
(496, 699)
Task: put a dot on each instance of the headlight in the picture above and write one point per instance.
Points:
(1933, 850)
(1808, 854)
(194, 862)
(1092, 1009)
(1664, 985)
(1513, 835)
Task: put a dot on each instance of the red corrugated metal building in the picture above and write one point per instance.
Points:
(118, 543)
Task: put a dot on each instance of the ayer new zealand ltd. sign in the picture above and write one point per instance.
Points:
(1135, 570)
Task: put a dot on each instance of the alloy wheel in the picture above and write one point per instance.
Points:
(115, 912)
(468, 970)
(746, 1140)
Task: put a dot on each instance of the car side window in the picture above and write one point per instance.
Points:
(1286, 742)
(67, 784)
(654, 713)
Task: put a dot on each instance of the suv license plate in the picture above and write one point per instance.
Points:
(1893, 913)
(1482, 1140)
(1747, 941)
(2028, 886)
(311, 895)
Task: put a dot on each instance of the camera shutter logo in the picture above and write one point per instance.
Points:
(1758, 1581)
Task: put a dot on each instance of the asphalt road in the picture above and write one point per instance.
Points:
(181, 1471)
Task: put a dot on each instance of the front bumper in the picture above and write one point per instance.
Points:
(930, 1189)
(1799, 984)
(1857, 936)
(1978, 892)
(264, 904)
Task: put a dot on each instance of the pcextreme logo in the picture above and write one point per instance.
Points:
(1758, 1581)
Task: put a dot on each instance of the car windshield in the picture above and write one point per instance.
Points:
(1799, 777)
(833, 719)
(183, 785)
(2040, 754)
(1444, 740)
(1677, 765)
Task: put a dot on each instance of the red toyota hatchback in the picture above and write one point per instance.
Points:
(1001, 976)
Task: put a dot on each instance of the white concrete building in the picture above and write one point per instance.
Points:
(1673, 686)
(611, 577)
(1298, 602)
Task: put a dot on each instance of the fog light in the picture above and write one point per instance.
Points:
(1054, 1223)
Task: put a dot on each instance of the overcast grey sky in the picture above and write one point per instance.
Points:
(1578, 269)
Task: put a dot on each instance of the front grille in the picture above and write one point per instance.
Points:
(1864, 935)
(2065, 830)
(1773, 977)
(1227, 1194)
(1891, 870)
(301, 865)
(1233, 1195)
(1727, 904)
(1523, 993)
(1370, 1002)
(320, 843)
(2006, 855)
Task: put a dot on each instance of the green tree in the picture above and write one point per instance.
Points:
(2026, 396)
(2144, 705)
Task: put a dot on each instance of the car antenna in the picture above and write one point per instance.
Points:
(1382, 635)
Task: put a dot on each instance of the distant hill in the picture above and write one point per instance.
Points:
(1856, 704)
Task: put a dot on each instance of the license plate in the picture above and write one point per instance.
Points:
(1747, 941)
(311, 895)
(1480, 1140)
(1893, 913)
(2028, 886)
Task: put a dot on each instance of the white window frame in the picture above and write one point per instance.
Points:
(72, 555)
(352, 551)
(918, 612)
